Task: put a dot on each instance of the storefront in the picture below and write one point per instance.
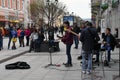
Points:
(3, 19)
(21, 18)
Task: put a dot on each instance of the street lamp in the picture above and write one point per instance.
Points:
(50, 32)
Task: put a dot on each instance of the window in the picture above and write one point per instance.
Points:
(18, 4)
(9, 6)
(23, 5)
(3, 3)
(14, 4)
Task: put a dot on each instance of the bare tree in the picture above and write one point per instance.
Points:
(37, 12)
(51, 11)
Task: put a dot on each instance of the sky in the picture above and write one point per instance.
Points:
(80, 8)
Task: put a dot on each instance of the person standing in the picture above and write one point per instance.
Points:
(0, 39)
(10, 34)
(83, 26)
(76, 29)
(14, 38)
(27, 34)
(68, 40)
(22, 34)
(18, 34)
(3, 34)
(87, 38)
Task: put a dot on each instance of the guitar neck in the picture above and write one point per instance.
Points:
(72, 32)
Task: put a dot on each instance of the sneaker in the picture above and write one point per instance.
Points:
(68, 65)
(83, 72)
(75, 47)
(79, 57)
(88, 72)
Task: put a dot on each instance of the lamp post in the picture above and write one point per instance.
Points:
(49, 32)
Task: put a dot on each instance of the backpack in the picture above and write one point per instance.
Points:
(22, 34)
(95, 39)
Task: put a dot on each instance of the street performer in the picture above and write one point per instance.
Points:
(68, 40)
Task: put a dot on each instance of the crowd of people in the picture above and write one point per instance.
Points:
(88, 36)
(92, 43)
(32, 35)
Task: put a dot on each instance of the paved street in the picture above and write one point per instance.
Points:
(38, 61)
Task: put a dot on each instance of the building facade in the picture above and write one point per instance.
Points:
(107, 14)
(14, 11)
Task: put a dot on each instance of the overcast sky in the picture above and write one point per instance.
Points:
(79, 7)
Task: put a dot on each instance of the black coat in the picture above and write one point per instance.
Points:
(87, 39)
(112, 40)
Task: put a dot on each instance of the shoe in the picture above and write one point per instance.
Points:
(88, 72)
(75, 47)
(84, 72)
(79, 58)
(29, 51)
(96, 61)
(68, 65)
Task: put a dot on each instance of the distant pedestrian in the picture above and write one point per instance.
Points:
(27, 34)
(14, 38)
(3, 34)
(76, 29)
(83, 26)
(0, 39)
(22, 34)
(68, 41)
(18, 34)
(10, 34)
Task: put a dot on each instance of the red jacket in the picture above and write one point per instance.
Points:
(68, 38)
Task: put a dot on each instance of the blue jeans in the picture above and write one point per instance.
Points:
(86, 64)
(68, 53)
(76, 41)
(108, 48)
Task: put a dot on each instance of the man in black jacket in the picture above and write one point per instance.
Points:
(109, 42)
(87, 38)
(76, 29)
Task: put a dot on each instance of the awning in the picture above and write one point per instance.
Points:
(3, 20)
(15, 21)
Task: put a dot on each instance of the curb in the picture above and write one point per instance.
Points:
(12, 57)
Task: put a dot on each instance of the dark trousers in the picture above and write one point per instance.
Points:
(10, 38)
(32, 45)
(76, 41)
(19, 41)
(27, 39)
(0, 43)
(68, 53)
(22, 41)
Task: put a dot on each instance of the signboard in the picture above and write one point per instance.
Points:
(69, 18)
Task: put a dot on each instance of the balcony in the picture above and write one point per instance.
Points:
(95, 3)
(104, 6)
(115, 3)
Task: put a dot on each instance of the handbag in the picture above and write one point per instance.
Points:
(14, 39)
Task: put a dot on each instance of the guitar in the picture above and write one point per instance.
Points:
(71, 32)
